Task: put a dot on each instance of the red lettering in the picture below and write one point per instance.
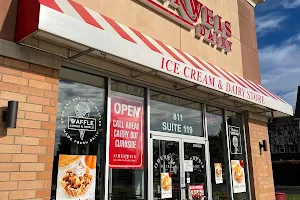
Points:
(185, 72)
(210, 36)
(167, 64)
(199, 74)
(226, 26)
(222, 42)
(228, 46)
(200, 30)
(227, 87)
(215, 38)
(218, 24)
(196, 8)
(211, 81)
(162, 63)
(176, 70)
(207, 18)
(193, 74)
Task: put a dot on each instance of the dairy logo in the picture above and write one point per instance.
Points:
(82, 118)
(168, 162)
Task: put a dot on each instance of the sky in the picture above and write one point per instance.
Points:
(278, 34)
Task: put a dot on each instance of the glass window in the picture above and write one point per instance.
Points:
(79, 152)
(175, 115)
(126, 149)
(218, 153)
(237, 149)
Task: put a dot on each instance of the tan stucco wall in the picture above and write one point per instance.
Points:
(8, 11)
(140, 17)
(248, 39)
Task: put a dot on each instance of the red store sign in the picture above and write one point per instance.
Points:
(192, 14)
(126, 133)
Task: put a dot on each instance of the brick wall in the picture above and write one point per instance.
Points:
(261, 173)
(26, 153)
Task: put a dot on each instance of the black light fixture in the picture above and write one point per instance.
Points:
(10, 114)
(263, 146)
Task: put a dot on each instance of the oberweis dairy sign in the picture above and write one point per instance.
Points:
(192, 14)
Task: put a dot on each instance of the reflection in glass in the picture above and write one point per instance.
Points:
(127, 183)
(218, 153)
(197, 176)
(166, 160)
(81, 101)
(175, 115)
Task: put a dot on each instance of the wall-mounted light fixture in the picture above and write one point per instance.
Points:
(10, 114)
(263, 146)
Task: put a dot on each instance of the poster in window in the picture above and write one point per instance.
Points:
(238, 176)
(76, 178)
(166, 185)
(235, 139)
(218, 173)
(126, 134)
(196, 192)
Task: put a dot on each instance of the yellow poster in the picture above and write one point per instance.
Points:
(238, 176)
(76, 178)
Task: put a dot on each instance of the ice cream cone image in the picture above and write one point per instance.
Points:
(82, 110)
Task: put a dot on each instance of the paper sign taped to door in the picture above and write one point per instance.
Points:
(188, 166)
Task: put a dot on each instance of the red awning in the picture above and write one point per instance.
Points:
(74, 22)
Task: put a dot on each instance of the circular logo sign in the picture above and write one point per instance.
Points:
(82, 120)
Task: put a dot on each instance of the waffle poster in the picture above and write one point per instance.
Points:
(76, 178)
(126, 133)
(218, 173)
(238, 176)
(166, 185)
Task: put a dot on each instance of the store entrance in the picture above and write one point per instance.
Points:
(178, 168)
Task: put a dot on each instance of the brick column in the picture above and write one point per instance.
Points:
(261, 173)
(26, 153)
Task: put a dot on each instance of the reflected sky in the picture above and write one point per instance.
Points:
(163, 112)
(69, 90)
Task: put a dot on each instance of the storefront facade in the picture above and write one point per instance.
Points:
(124, 100)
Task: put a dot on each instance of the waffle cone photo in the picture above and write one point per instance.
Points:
(65, 160)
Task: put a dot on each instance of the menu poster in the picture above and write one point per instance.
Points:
(238, 176)
(126, 133)
(235, 140)
(76, 178)
(218, 173)
(196, 192)
(166, 185)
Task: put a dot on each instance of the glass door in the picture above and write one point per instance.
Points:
(166, 169)
(178, 169)
(194, 170)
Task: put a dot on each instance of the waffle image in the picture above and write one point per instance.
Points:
(166, 182)
(238, 173)
(65, 160)
(76, 180)
(218, 168)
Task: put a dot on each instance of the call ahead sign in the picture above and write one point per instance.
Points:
(170, 118)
